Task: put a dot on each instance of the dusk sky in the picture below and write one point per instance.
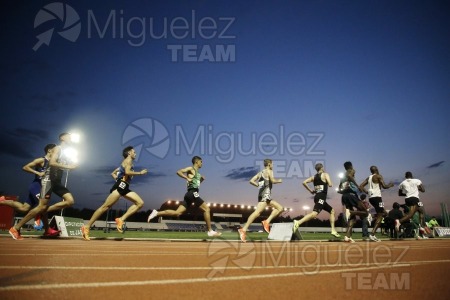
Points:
(234, 82)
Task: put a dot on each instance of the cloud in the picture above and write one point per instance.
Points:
(244, 173)
(19, 140)
(436, 165)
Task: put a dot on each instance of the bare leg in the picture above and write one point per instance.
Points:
(259, 209)
(137, 205)
(40, 209)
(378, 221)
(67, 202)
(206, 215)
(172, 213)
(308, 217)
(17, 206)
(276, 211)
(110, 201)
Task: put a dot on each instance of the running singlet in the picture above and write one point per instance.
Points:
(319, 185)
(265, 186)
(346, 186)
(40, 169)
(194, 184)
(410, 187)
(374, 188)
(57, 173)
(122, 176)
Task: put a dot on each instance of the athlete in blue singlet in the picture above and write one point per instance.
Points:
(37, 167)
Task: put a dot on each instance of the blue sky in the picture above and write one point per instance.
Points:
(366, 81)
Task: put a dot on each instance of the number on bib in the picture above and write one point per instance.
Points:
(381, 204)
(122, 185)
(420, 204)
(320, 201)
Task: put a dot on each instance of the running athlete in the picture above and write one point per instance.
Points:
(192, 197)
(51, 183)
(121, 188)
(263, 180)
(410, 188)
(321, 183)
(375, 182)
(349, 189)
(36, 167)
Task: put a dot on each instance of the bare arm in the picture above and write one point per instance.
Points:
(305, 184)
(183, 173)
(114, 173)
(54, 163)
(328, 180)
(272, 179)
(129, 172)
(362, 186)
(253, 180)
(421, 188)
(29, 167)
(384, 185)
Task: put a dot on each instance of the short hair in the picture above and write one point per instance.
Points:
(373, 169)
(195, 159)
(348, 165)
(49, 147)
(126, 150)
(362, 196)
(318, 167)
(267, 161)
(396, 205)
(63, 134)
(408, 175)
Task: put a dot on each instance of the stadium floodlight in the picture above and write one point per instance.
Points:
(341, 175)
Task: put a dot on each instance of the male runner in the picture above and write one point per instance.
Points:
(121, 188)
(349, 189)
(410, 188)
(51, 183)
(194, 179)
(37, 167)
(375, 182)
(263, 180)
(321, 183)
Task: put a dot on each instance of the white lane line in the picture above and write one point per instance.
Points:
(198, 280)
(208, 267)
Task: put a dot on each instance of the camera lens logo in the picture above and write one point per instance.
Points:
(64, 20)
(225, 254)
(148, 134)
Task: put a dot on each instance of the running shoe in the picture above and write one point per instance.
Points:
(242, 235)
(15, 234)
(295, 226)
(153, 214)
(397, 225)
(38, 224)
(348, 239)
(51, 232)
(266, 226)
(85, 233)
(213, 233)
(373, 238)
(335, 234)
(119, 225)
